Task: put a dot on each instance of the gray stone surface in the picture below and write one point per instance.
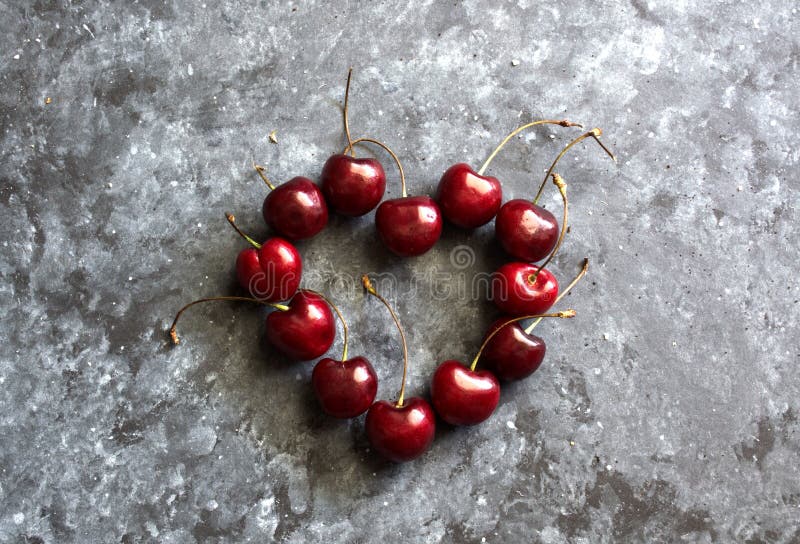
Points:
(667, 411)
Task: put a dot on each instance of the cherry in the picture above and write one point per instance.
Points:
(526, 230)
(513, 353)
(295, 209)
(352, 186)
(469, 199)
(305, 330)
(523, 288)
(404, 430)
(464, 396)
(270, 271)
(344, 388)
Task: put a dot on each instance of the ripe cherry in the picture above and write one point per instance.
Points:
(526, 230)
(469, 199)
(347, 387)
(404, 430)
(270, 271)
(295, 209)
(513, 353)
(352, 186)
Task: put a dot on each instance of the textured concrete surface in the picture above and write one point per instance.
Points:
(667, 411)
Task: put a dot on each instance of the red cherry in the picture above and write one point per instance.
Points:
(296, 209)
(345, 388)
(462, 396)
(272, 272)
(519, 288)
(526, 231)
(305, 330)
(512, 353)
(401, 433)
(410, 225)
(466, 198)
(352, 186)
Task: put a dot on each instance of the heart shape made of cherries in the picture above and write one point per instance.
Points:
(302, 327)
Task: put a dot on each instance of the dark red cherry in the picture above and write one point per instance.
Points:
(410, 225)
(401, 434)
(462, 396)
(352, 186)
(306, 330)
(271, 273)
(345, 388)
(518, 290)
(296, 209)
(512, 354)
(526, 231)
(466, 198)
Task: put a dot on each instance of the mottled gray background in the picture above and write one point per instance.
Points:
(667, 411)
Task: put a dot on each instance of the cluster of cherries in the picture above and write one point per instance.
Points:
(302, 327)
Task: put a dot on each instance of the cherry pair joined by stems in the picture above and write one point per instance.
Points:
(296, 209)
(303, 329)
(462, 395)
(403, 430)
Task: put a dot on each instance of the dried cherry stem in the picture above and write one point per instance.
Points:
(371, 290)
(390, 152)
(341, 319)
(594, 133)
(563, 293)
(174, 335)
(232, 220)
(562, 123)
(260, 169)
(562, 188)
(346, 121)
(564, 314)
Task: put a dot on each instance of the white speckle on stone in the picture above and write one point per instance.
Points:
(19, 517)
(608, 467)
(109, 185)
(514, 62)
(190, 70)
(510, 425)
(16, 57)
(599, 424)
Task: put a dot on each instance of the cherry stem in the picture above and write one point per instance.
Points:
(594, 133)
(260, 169)
(341, 319)
(563, 123)
(564, 314)
(232, 220)
(390, 152)
(346, 121)
(562, 188)
(174, 335)
(371, 290)
(562, 294)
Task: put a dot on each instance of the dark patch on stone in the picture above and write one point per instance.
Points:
(756, 449)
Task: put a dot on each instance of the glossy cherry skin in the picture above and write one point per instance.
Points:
(296, 209)
(462, 396)
(271, 273)
(352, 186)
(345, 388)
(401, 434)
(514, 294)
(466, 198)
(525, 230)
(306, 330)
(409, 226)
(512, 354)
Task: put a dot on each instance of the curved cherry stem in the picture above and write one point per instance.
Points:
(594, 133)
(174, 335)
(341, 319)
(390, 152)
(346, 120)
(562, 123)
(562, 188)
(260, 169)
(562, 294)
(371, 290)
(564, 314)
(232, 220)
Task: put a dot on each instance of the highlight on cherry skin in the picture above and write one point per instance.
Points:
(270, 271)
(296, 209)
(403, 430)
